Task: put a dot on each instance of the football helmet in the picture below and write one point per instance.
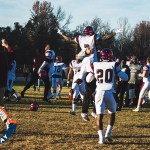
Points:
(34, 106)
(88, 30)
(106, 54)
(58, 59)
(42, 74)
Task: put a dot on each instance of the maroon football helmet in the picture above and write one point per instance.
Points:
(34, 106)
(88, 30)
(58, 59)
(106, 54)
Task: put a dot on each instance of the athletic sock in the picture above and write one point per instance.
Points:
(74, 107)
(101, 135)
(108, 131)
(54, 95)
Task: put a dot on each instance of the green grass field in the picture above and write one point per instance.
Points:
(53, 128)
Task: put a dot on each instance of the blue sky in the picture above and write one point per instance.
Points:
(82, 10)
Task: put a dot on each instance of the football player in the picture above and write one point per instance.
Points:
(146, 84)
(10, 124)
(48, 67)
(57, 76)
(38, 60)
(11, 78)
(104, 72)
(76, 89)
(89, 39)
(90, 87)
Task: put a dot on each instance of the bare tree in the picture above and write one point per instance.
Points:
(124, 40)
(62, 18)
(142, 38)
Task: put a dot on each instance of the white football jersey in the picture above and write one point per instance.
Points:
(48, 62)
(146, 68)
(58, 69)
(87, 41)
(86, 66)
(76, 69)
(104, 73)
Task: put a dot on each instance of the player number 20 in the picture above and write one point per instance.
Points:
(107, 78)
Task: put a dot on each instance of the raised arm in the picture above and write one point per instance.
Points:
(65, 37)
(108, 36)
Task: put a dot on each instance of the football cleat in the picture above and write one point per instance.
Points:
(22, 94)
(72, 112)
(101, 141)
(50, 96)
(18, 98)
(108, 138)
(85, 116)
(59, 96)
(10, 130)
(136, 110)
(94, 115)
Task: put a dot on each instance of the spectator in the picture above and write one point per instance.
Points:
(122, 86)
(25, 72)
(134, 82)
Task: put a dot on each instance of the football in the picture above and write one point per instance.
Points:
(42, 74)
(34, 106)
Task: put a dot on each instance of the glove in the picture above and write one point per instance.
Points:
(68, 83)
(119, 30)
(59, 32)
